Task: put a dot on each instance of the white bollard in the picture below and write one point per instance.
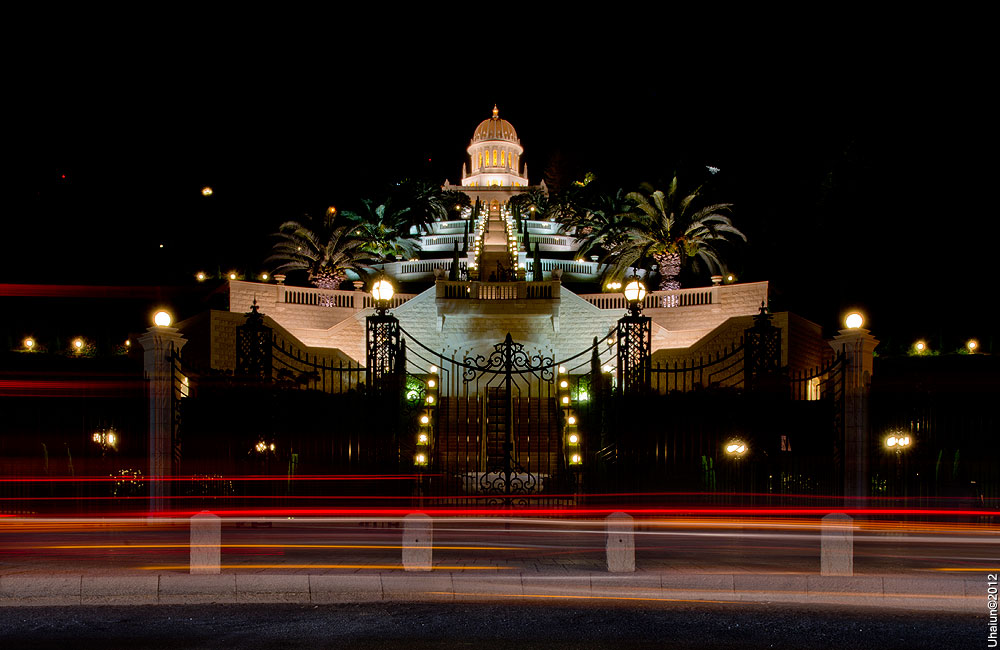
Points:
(418, 542)
(837, 546)
(206, 537)
(621, 543)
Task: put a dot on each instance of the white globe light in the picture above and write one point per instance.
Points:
(382, 290)
(635, 291)
(162, 319)
(854, 321)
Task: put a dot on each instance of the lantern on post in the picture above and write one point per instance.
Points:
(634, 335)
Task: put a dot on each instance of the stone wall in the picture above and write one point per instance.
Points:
(212, 337)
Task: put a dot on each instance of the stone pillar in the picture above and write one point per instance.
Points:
(621, 543)
(837, 546)
(158, 343)
(206, 540)
(858, 347)
(418, 542)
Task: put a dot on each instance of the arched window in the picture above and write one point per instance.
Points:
(494, 157)
(480, 160)
(502, 163)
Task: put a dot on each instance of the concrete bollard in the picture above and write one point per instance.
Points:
(418, 542)
(206, 536)
(837, 546)
(621, 543)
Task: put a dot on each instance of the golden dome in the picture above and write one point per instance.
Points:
(495, 129)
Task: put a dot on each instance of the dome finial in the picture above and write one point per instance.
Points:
(496, 113)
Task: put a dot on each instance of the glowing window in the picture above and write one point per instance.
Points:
(502, 158)
(494, 157)
(480, 160)
(813, 391)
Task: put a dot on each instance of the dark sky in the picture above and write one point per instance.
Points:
(859, 180)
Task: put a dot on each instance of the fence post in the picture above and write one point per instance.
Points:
(418, 542)
(858, 347)
(620, 543)
(159, 345)
(206, 538)
(837, 545)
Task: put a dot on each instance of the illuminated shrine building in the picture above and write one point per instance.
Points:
(498, 289)
(495, 156)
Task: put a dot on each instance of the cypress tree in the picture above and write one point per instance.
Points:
(453, 272)
(536, 267)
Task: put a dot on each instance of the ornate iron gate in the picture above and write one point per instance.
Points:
(500, 429)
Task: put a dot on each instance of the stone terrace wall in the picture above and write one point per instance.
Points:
(213, 337)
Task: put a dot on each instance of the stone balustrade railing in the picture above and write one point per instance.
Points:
(497, 290)
(243, 293)
(751, 293)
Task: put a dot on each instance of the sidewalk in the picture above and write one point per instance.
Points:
(951, 594)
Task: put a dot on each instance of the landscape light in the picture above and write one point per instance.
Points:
(434, 368)
(571, 419)
(920, 346)
(200, 276)
(736, 447)
(422, 439)
(563, 384)
(573, 438)
(29, 343)
(162, 319)
(264, 276)
(431, 383)
(430, 399)
(854, 321)
(206, 191)
(424, 419)
(972, 345)
(78, 344)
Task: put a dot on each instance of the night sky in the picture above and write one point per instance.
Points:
(859, 182)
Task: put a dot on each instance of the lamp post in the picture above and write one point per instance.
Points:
(857, 346)
(381, 337)
(161, 346)
(736, 450)
(898, 444)
(634, 336)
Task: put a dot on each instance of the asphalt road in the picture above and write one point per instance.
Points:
(522, 626)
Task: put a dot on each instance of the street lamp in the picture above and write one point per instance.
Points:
(382, 292)
(736, 448)
(635, 292)
(898, 443)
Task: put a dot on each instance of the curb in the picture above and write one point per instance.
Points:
(950, 595)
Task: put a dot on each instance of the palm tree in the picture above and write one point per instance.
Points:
(533, 204)
(599, 220)
(669, 228)
(324, 248)
(420, 203)
(385, 230)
